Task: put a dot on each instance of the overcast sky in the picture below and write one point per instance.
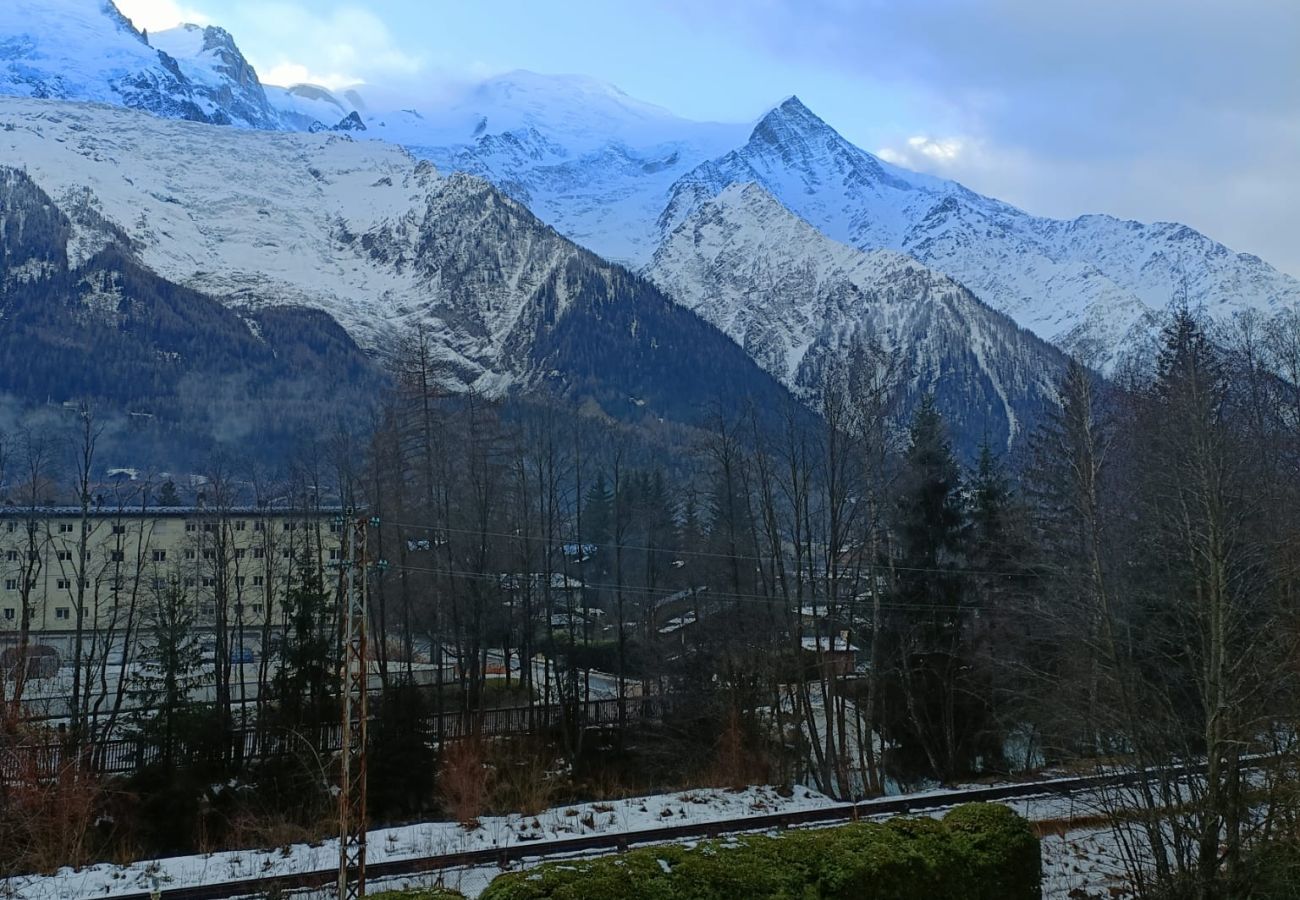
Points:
(1151, 109)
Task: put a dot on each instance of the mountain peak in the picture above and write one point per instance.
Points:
(790, 115)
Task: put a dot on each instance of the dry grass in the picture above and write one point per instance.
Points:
(464, 780)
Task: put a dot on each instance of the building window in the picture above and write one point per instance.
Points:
(189, 582)
(208, 610)
(259, 553)
(239, 524)
(209, 581)
(12, 556)
(334, 555)
(65, 584)
(257, 609)
(9, 613)
(119, 529)
(117, 556)
(189, 554)
(285, 552)
(259, 526)
(64, 555)
(62, 612)
(191, 526)
(160, 556)
(209, 527)
(239, 553)
(239, 581)
(257, 581)
(335, 527)
(11, 527)
(159, 583)
(11, 584)
(64, 527)
(209, 554)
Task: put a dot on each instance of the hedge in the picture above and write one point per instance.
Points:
(977, 852)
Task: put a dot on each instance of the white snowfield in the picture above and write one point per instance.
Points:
(410, 841)
(360, 229)
(794, 298)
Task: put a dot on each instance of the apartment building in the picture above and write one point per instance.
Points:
(234, 564)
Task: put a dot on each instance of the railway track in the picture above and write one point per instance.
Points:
(282, 885)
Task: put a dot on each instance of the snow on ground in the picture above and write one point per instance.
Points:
(405, 842)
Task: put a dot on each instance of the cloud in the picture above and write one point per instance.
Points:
(921, 151)
(339, 47)
(159, 15)
(1159, 109)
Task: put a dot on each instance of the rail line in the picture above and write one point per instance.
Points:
(503, 857)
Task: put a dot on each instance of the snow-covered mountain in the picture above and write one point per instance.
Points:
(87, 50)
(382, 243)
(620, 177)
(219, 74)
(796, 300)
(1095, 285)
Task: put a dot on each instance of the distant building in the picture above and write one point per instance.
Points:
(234, 564)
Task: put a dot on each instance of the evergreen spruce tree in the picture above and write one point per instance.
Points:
(306, 679)
(926, 629)
(598, 512)
(173, 670)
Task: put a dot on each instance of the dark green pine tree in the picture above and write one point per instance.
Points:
(307, 678)
(172, 672)
(991, 542)
(931, 527)
(598, 512)
(659, 527)
(925, 713)
(167, 495)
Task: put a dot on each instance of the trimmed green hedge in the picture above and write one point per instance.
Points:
(977, 852)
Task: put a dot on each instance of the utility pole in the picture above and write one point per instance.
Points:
(354, 577)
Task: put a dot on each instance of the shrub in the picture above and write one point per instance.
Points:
(979, 852)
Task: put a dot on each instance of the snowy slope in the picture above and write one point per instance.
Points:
(382, 243)
(216, 68)
(87, 50)
(795, 300)
(1094, 285)
(619, 176)
(586, 158)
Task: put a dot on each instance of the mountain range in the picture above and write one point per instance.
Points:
(590, 240)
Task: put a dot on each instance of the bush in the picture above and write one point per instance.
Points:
(438, 893)
(978, 852)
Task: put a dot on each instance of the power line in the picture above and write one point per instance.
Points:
(725, 595)
(884, 567)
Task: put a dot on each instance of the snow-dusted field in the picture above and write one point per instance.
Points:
(433, 838)
(1085, 859)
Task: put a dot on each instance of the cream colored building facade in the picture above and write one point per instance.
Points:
(233, 564)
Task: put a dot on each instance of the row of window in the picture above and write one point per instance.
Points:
(65, 584)
(64, 613)
(161, 555)
(209, 527)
